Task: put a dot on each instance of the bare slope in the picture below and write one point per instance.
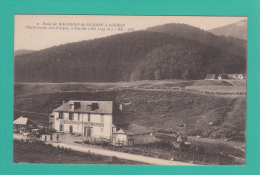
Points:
(156, 110)
(25, 88)
(238, 30)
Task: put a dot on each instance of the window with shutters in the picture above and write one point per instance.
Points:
(71, 116)
(88, 117)
(61, 127)
(60, 115)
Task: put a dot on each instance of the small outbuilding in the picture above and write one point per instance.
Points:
(223, 76)
(240, 77)
(131, 134)
(23, 124)
(216, 76)
(237, 76)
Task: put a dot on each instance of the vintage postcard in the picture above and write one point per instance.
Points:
(139, 90)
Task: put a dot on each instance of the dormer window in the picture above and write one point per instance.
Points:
(89, 107)
(93, 106)
(77, 105)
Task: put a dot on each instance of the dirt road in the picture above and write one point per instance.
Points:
(104, 152)
(109, 153)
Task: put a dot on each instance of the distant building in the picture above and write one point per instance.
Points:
(237, 76)
(223, 76)
(216, 76)
(23, 124)
(211, 77)
(94, 119)
(240, 76)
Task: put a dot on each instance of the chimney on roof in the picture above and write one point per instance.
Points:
(63, 102)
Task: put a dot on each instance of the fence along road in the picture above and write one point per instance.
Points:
(109, 153)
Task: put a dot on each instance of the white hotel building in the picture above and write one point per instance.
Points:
(96, 119)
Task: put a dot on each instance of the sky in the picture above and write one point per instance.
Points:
(36, 32)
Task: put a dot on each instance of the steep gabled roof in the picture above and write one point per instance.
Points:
(52, 114)
(103, 107)
(22, 121)
(132, 129)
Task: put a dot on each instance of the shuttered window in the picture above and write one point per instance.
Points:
(88, 117)
(60, 115)
(61, 127)
(71, 116)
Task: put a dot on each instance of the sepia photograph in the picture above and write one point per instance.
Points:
(130, 90)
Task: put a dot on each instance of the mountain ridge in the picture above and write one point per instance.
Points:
(238, 30)
(137, 55)
(22, 51)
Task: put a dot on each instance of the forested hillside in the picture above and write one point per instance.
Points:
(174, 51)
(232, 45)
(21, 52)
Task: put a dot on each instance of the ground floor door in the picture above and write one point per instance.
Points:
(130, 142)
(85, 131)
(89, 132)
(71, 129)
(113, 138)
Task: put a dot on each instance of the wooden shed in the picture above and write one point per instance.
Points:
(23, 124)
(131, 134)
